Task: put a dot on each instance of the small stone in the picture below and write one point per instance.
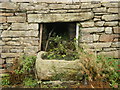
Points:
(95, 37)
(116, 30)
(9, 55)
(86, 38)
(87, 24)
(16, 19)
(110, 17)
(90, 5)
(110, 4)
(91, 30)
(108, 30)
(3, 19)
(99, 23)
(115, 44)
(113, 10)
(113, 23)
(101, 9)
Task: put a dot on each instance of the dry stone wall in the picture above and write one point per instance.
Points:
(19, 25)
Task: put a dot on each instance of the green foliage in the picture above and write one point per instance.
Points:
(61, 48)
(5, 81)
(29, 82)
(100, 68)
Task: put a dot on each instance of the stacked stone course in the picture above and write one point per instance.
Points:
(19, 25)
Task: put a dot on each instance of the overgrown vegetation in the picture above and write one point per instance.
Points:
(61, 48)
(22, 73)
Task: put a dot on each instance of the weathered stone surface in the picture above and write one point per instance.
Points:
(60, 17)
(6, 14)
(2, 43)
(101, 9)
(16, 50)
(108, 4)
(31, 6)
(90, 5)
(110, 17)
(87, 24)
(96, 37)
(19, 26)
(108, 30)
(3, 19)
(98, 45)
(108, 38)
(113, 10)
(91, 30)
(99, 23)
(16, 19)
(33, 26)
(47, 68)
(109, 49)
(19, 33)
(116, 30)
(86, 38)
(7, 5)
(114, 54)
(113, 23)
(115, 44)
(5, 55)
(13, 43)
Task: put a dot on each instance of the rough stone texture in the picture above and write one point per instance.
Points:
(108, 38)
(102, 9)
(48, 68)
(91, 30)
(113, 23)
(113, 10)
(87, 24)
(89, 5)
(116, 30)
(108, 30)
(99, 23)
(16, 19)
(108, 4)
(59, 17)
(110, 17)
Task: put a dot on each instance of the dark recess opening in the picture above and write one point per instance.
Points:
(63, 29)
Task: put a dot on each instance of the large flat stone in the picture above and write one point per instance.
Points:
(68, 17)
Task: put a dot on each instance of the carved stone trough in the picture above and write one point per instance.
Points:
(48, 68)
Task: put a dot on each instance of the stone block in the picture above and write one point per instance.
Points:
(108, 30)
(10, 55)
(6, 39)
(87, 24)
(33, 26)
(113, 23)
(16, 51)
(16, 19)
(96, 37)
(116, 30)
(32, 33)
(99, 23)
(90, 5)
(14, 43)
(8, 5)
(110, 4)
(113, 10)
(60, 17)
(109, 49)
(115, 44)
(108, 38)
(19, 26)
(86, 38)
(6, 14)
(3, 19)
(20, 14)
(110, 17)
(92, 30)
(2, 43)
(101, 9)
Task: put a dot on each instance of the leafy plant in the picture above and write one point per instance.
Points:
(60, 48)
(5, 81)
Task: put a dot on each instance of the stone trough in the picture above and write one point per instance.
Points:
(46, 69)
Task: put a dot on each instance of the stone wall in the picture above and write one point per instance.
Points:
(19, 25)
